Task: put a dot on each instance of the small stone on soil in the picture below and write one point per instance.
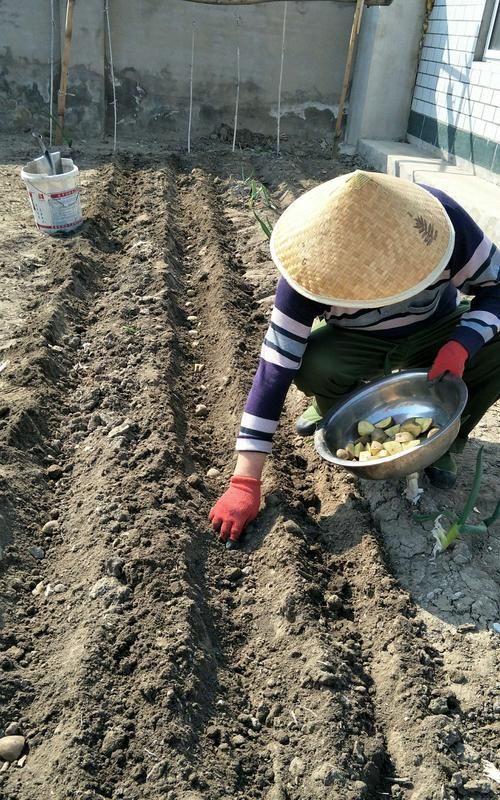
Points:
(292, 527)
(213, 472)
(276, 793)
(11, 747)
(110, 589)
(113, 740)
(114, 567)
(230, 545)
(201, 410)
(477, 787)
(14, 729)
(37, 552)
(54, 589)
(327, 774)
(439, 705)
(195, 481)
(296, 768)
(54, 472)
(119, 430)
(50, 527)
(333, 602)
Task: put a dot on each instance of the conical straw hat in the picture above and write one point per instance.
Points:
(363, 240)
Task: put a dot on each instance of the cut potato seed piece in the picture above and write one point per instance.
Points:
(383, 453)
(365, 456)
(379, 435)
(411, 427)
(384, 423)
(365, 427)
(357, 449)
(404, 436)
(375, 448)
(392, 431)
(409, 445)
(393, 447)
(344, 454)
(350, 449)
(424, 422)
(433, 432)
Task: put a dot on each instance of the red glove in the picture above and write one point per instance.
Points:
(450, 358)
(238, 506)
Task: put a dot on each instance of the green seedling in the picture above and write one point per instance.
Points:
(130, 330)
(266, 226)
(458, 525)
(258, 192)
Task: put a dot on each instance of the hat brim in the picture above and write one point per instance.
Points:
(375, 302)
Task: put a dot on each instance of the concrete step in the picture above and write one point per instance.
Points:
(479, 197)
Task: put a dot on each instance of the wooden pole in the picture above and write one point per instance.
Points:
(348, 67)
(61, 100)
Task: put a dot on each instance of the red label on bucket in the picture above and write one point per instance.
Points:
(60, 227)
(64, 194)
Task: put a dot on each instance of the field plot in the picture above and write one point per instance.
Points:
(331, 656)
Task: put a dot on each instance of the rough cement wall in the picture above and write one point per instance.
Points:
(151, 43)
(385, 70)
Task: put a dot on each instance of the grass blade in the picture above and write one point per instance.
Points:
(474, 492)
(496, 514)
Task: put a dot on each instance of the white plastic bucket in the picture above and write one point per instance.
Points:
(54, 199)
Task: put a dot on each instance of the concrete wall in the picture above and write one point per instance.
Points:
(384, 75)
(456, 104)
(151, 43)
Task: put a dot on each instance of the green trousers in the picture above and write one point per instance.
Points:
(337, 361)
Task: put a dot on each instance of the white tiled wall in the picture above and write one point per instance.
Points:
(451, 87)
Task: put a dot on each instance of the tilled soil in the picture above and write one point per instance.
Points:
(139, 657)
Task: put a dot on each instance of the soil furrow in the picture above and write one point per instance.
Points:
(92, 651)
(298, 643)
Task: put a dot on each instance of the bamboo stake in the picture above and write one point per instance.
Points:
(237, 103)
(112, 70)
(51, 90)
(281, 78)
(348, 67)
(191, 92)
(61, 100)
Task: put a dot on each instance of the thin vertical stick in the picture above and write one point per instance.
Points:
(236, 107)
(51, 90)
(108, 26)
(191, 92)
(61, 100)
(348, 67)
(281, 78)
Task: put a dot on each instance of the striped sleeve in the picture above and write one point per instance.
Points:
(475, 271)
(280, 358)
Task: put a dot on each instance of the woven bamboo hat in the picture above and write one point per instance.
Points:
(363, 240)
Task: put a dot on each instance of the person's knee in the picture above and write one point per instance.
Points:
(318, 367)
